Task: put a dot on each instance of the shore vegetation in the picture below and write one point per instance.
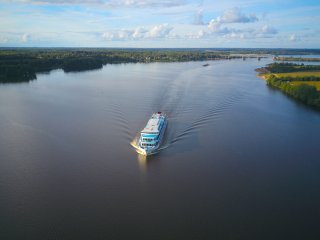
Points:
(297, 59)
(296, 81)
(23, 64)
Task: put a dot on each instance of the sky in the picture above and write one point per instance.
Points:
(160, 24)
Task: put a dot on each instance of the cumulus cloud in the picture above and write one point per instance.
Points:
(158, 31)
(216, 27)
(117, 35)
(234, 15)
(139, 33)
(231, 25)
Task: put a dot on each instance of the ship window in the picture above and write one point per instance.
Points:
(146, 139)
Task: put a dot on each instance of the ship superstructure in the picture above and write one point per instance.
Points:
(152, 134)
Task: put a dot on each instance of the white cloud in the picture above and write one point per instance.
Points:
(158, 31)
(107, 36)
(201, 34)
(294, 38)
(117, 35)
(268, 30)
(124, 34)
(25, 38)
(235, 21)
(95, 22)
(216, 27)
(230, 16)
(234, 15)
(139, 33)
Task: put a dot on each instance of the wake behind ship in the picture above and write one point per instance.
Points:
(152, 134)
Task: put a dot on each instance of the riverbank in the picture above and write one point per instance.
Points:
(297, 83)
(296, 59)
(23, 64)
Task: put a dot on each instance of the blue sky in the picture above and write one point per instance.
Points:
(156, 23)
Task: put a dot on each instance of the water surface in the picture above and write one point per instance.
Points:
(240, 160)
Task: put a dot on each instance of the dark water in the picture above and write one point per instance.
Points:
(240, 160)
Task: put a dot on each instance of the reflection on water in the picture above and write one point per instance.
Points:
(232, 158)
(142, 160)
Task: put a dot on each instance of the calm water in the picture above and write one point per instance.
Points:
(240, 160)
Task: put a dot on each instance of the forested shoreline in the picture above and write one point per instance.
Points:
(297, 59)
(296, 80)
(22, 64)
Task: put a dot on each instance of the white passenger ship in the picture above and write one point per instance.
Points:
(152, 134)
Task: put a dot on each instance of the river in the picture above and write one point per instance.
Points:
(240, 160)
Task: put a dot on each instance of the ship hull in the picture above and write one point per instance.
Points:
(152, 150)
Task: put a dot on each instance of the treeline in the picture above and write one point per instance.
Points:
(19, 65)
(290, 67)
(297, 59)
(22, 64)
(291, 79)
(304, 92)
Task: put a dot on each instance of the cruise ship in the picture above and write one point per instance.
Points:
(152, 134)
